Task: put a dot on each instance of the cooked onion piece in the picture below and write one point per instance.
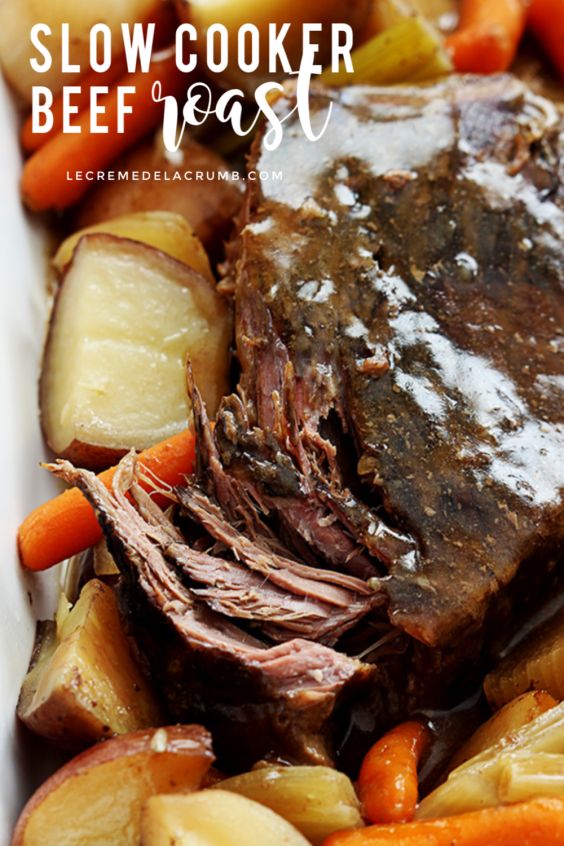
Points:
(476, 783)
(214, 818)
(113, 373)
(509, 719)
(316, 800)
(525, 777)
(84, 684)
(166, 231)
(537, 663)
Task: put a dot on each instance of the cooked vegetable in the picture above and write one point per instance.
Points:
(546, 19)
(407, 51)
(113, 374)
(528, 776)
(208, 205)
(102, 560)
(538, 663)
(66, 525)
(488, 36)
(476, 783)
(44, 183)
(316, 800)
(214, 818)
(234, 13)
(387, 782)
(510, 718)
(167, 231)
(96, 799)
(83, 684)
(536, 823)
(18, 16)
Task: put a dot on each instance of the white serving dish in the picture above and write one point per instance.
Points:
(23, 597)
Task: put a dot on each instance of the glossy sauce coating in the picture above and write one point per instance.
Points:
(411, 264)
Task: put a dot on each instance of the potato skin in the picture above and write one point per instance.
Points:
(92, 456)
(208, 303)
(209, 206)
(166, 231)
(173, 758)
(85, 684)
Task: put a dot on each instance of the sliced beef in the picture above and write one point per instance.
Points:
(408, 270)
(294, 685)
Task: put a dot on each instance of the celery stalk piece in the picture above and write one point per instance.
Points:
(401, 53)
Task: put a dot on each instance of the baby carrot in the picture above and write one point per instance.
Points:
(488, 36)
(546, 20)
(536, 823)
(66, 525)
(32, 141)
(387, 783)
(44, 182)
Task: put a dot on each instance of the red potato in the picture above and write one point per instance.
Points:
(113, 374)
(84, 683)
(166, 231)
(96, 799)
(208, 204)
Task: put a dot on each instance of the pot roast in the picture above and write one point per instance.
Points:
(384, 491)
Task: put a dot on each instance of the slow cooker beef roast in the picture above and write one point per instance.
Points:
(387, 481)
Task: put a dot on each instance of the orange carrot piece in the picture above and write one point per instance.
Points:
(32, 141)
(546, 20)
(536, 823)
(387, 782)
(44, 182)
(488, 35)
(66, 525)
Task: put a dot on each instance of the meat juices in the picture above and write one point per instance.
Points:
(388, 478)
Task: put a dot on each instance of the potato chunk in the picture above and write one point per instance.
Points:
(209, 204)
(96, 799)
(213, 818)
(167, 231)
(84, 684)
(113, 372)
